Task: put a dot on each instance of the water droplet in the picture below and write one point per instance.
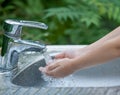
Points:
(47, 57)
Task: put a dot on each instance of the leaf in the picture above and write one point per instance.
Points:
(110, 12)
(71, 1)
(102, 9)
(116, 13)
(19, 3)
(1, 1)
(90, 19)
(8, 8)
(63, 13)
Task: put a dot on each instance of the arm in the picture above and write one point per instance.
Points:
(109, 36)
(74, 53)
(105, 49)
(104, 52)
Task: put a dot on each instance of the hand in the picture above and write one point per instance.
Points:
(71, 53)
(62, 66)
(59, 68)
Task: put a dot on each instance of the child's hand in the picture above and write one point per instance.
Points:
(59, 68)
(71, 53)
(62, 66)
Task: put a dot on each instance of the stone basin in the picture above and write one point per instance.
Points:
(105, 75)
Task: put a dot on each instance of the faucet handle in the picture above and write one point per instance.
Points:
(13, 28)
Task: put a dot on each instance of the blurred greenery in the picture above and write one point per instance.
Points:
(69, 21)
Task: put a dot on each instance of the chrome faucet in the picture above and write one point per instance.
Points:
(13, 45)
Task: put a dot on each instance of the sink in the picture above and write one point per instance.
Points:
(104, 75)
(30, 76)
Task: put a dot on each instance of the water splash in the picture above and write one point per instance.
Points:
(55, 82)
(48, 58)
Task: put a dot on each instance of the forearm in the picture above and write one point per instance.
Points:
(111, 35)
(105, 52)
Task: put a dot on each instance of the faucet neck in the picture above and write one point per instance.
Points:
(12, 44)
(13, 29)
(11, 58)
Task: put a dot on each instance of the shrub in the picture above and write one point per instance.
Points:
(69, 21)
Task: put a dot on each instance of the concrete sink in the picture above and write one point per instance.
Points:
(105, 75)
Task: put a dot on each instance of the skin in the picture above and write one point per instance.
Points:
(67, 62)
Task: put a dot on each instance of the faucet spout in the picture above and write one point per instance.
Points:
(13, 30)
(13, 45)
(17, 47)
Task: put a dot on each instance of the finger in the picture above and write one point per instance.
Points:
(49, 74)
(51, 66)
(59, 56)
(53, 73)
(42, 69)
(49, 63)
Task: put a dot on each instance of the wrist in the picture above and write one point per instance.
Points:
(81, 62)
(72, 65)
(76, 64)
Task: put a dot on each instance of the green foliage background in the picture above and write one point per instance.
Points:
(69, 21)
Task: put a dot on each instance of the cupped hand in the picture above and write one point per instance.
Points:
(59, 68)
(71, 53)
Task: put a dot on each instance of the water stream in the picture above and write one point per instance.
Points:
(56, 82)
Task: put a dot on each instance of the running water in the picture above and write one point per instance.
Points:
(55, 82)
(48, 60)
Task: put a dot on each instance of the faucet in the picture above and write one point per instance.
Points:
(13, 45)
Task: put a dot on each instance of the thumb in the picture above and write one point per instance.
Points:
(59, 56)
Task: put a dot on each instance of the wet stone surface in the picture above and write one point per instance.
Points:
(6, 89)
(60, 91)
